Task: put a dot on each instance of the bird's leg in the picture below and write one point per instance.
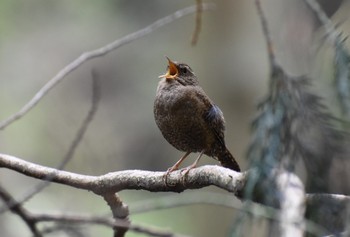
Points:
(175, 167)
(177, 164)
(188, 168)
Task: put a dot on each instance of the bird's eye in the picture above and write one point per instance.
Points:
(184, 70)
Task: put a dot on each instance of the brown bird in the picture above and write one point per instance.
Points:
(188, 118)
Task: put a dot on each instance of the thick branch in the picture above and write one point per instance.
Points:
(132, 179)
(197, 178)
(291, 196)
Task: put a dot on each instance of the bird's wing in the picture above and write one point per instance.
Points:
(215, 119)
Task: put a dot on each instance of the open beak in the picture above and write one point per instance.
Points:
(172, 70)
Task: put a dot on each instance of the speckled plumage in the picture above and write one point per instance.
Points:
(187, 118)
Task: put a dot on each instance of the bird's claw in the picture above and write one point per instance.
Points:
(171, 169)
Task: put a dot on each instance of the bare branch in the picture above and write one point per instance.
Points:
(197, 178)
(198, 25)
(97, 53)
(341, 56)
(329, 213)
(33, 219)
(20, 211)
(119, 210)
(120, 224)
(132, 179)
(96, 95)
(292, 206)
(323, 18)
(102, 221)
(267, 35)
(188, 198)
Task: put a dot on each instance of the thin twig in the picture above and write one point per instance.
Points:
(96, 94)
(32, 220)
(102, 221)
(20, 211)
(186, 199)
(226, 201)
(66, 228)
(331, 31)
(341, 56)
(267, 35)
(198, 24)
(97, 53)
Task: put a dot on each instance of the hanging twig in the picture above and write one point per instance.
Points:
(267, 35)
(198, 22)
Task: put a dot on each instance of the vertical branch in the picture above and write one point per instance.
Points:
(267, 35)
(276, 146)
(198, 24)
(292, 206)
(341, 57)
(96, 94)
(323, 18)
(119, 210)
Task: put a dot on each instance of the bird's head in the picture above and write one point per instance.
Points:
(180, 73)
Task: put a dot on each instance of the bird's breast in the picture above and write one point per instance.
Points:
(179, 116)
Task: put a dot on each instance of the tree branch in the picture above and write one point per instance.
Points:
(78, 219)
(267, 35)
(198, 25)
(33, 219)
(132, 179)
(200, 177)
(97, 53)
(20, 211)
(290, 193)
(119, 210)
(331, 31)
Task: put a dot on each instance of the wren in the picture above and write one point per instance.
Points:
(188, 119)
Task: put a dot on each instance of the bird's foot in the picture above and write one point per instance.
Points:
(174, 167)
(188, 168)
(171, 169)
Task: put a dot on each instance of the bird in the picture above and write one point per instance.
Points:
(188, 119)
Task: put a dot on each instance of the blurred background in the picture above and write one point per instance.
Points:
(40, 37)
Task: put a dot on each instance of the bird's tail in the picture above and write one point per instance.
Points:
(228, 161)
